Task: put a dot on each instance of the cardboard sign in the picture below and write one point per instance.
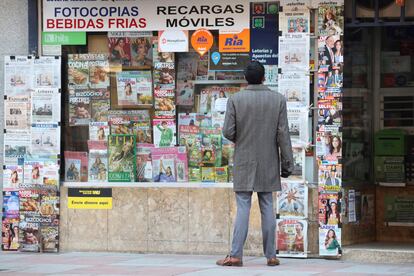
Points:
(99, 198)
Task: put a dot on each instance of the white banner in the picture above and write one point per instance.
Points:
(144, 15)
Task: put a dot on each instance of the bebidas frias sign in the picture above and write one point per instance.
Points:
(144, 15)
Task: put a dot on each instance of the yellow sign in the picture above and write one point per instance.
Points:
(90, 198)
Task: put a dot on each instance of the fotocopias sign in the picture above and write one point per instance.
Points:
(144, 15)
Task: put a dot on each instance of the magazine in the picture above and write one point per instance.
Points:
(98, 131)
(79, 111)
(164, 102)
(33, 171)
(187, 66)
(181, 163)
(46, 105)
(76, 166)
(12, 177)
(121, 158)
(17, 75)
(186, 119)
(29, 232)
(134, 88)
(211, 147)
(144, 162)
(49, 235)
(98, 161)
(46, 72)
(100, 109)
(141, 51)
(17, 145)
(330, 240)
(330, 177)
(208, 174)
(217, 120)
(295, 17)
(78, 71)
(51, 175)
(227, 153)
(329, 208)
(163, 164)
(164, 132)
(329, 147)
(99, 71)
(45, 138)
(185, 93)
(161, 57)
(194, 174)
(11, 204)
(10, 234)
(137, 124)
(190, 137)
(119, 48)
(29, 200)
(49, 205)
(221, 175)
(214, 97)
(330, 19)
(291, 238)
(17, 112)
(164, 75)
(292, 200)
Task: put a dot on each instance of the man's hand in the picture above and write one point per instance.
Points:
(285, 174)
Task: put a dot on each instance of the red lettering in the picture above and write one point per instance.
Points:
(133, 24)
(50, 23)
(120, 23)
(99, 23)
(142, 23)
(111, 22)
(59, 24)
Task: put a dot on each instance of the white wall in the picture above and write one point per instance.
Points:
(14, 41)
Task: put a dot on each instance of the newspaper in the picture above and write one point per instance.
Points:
(292, 200)
(16, 113)
(46, 72)
(45, 138)
(295, 17)
(298, 125)
(295, 87)
(294, 52)
(46, 105)
(18, 75)
(291, 238)
(17, 144)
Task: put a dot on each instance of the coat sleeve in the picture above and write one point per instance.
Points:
(283, 139)
(229, 127)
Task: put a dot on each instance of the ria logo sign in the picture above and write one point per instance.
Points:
(234, 42)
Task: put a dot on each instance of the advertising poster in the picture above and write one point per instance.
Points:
(121, 158)
(329, 240)
(18, 75)
(46, 72)
(173, 41)
(164, 132)
(298, 125)
(234, 42)
(291, 238)
(12, 177)
(17, 113)
(292, 200)
(329, 208)
(45, 105)
(295, 17)
(45, 139)
(264, 29)
(294, 52)
(98, 198)
(17, 145)
(227, 61)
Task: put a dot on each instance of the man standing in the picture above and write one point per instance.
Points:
(256, 121)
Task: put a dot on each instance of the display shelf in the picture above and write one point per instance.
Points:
(219, 81)
(189, 185)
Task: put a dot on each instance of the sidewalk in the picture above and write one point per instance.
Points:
(150, 264)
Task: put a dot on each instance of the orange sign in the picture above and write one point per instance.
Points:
(234, 42)
(202, 40)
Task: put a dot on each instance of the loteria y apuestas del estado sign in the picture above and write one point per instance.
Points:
(144, 15)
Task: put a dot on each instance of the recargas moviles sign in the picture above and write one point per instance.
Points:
(144, 15)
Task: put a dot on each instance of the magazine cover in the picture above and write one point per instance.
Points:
(164, 132)
(98, 131)
(51, 175)
(49, 235)
(141, 51)
(298, 172)
(49, 205)
(11, 204)
(17, 145)
(330, 177)
(45, 138)
(330, 240)
(292, 238)
(181, 163)
(187, 119)
(329, 119)
(329, 147)
(187, 66)
(18, 75)
(98, 161)
(46, 72)
(208, 174)
(292, 200)
(221, 175)
(227, 153)
(45, 105)
(119, 48)
(330, 20)
(12, 177)
(204, 120)
(29, 235)
(126, 87)
(144, 162)
(190, 137)
(78, 71)
(211, 141)
(79, 110)
(329, 208)
(17, 113)
(185, 93)
(164, 102)
(161, 57)
(164, 75)
(99, 71)
(330, 51)
(295, 17)
(76, 166)
(194, 174)
(100, 109)
(142, 130)
(163, 164)
(121, 158)
(10, 234)
(33, 172)
(214, 97)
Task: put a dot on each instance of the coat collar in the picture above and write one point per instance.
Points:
(257, 87)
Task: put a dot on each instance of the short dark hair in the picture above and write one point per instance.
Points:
(254, 72)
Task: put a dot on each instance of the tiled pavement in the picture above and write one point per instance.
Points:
(151, 264)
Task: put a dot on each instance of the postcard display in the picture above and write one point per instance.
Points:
(294, 84)
(329, 133)
(31, 154)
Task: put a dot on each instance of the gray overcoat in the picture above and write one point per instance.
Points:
(256, 121)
